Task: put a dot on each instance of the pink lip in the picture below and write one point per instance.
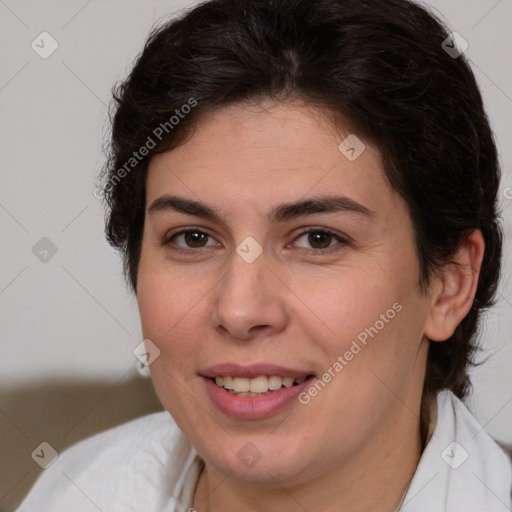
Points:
(253, 407)
(251, 371)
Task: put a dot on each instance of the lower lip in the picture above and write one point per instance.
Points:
(254, 407)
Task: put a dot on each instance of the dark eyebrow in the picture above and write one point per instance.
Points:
(280, 213)
(324, 204)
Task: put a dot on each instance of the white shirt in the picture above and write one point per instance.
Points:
(147, 465)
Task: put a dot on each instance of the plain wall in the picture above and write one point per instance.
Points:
(70, 323)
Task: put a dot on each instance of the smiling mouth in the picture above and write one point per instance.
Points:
(257, 386)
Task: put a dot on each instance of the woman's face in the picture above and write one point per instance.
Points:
(231, 285)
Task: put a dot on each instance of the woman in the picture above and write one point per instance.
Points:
(304, 196)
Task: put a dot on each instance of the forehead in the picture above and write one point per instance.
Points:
(253, 156)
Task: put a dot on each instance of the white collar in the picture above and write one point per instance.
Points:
(461, 468)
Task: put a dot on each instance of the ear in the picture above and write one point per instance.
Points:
(453, 288)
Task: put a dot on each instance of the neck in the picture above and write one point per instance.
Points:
(373, 478)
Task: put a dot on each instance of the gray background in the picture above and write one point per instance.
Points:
(68, 324)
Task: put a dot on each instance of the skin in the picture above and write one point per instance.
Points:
(295, 307)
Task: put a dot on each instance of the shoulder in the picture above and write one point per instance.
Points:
(465, 423)
(129, 467)
(467, 429)
(471, 472)
(147, 438)
(144, 431)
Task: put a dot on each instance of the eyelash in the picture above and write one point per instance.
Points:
(342, 241)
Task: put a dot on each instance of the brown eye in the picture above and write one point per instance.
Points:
(319, 239)
(195, 238)
(191, 239)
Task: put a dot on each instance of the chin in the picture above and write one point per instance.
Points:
(257, 459)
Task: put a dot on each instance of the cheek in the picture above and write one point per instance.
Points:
(171, 318)
(170, 321)
(343, 305)
(371, 316)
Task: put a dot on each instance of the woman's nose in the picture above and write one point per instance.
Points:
(250, 299)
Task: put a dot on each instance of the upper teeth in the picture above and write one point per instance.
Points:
(260, 384)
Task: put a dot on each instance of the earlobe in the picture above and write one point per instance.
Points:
(454, 287)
